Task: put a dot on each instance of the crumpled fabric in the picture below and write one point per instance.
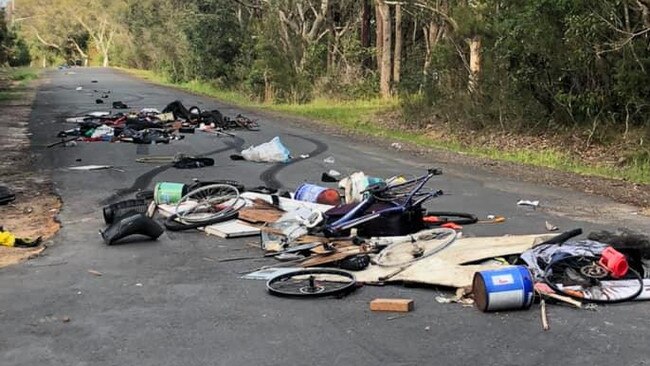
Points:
(355, 185)
(7, 239)
(539, 257)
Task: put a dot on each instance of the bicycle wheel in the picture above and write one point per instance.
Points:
(200, 183)
(582, 278)
(312, 282)
(403, 253)
(208, 203)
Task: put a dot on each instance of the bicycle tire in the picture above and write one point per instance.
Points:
(200, 183)
(172, 225)
(446, 242)
(554, 287)
(210, 201)
(309, 287)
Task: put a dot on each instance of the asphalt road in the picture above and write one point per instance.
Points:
(170, 303)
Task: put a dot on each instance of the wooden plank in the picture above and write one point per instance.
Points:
(260, 215)
(318, 260)
(340, 254)
(392, 305)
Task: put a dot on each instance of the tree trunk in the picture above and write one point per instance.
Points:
(645, 11)
(365, 31)
(474, 62)
(105, 63)
(379, 35)
(386, 59)
(330, 56)
(397, 57)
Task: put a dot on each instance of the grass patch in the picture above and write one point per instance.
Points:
(9, 95)
(347, 114)
(23, 75)
(357, 116)
(13, 81)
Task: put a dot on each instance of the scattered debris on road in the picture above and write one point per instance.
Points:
(149, 125)
(328, 241)
(354, 229)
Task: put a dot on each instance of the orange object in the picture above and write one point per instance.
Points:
(431, 219)
(614, 261)
(329, 197)
(392, 305)
(452, 225)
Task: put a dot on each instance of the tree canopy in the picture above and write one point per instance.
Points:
(517, 64)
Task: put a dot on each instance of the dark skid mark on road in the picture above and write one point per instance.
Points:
(142, 149)
(269, 176)
(143, 181)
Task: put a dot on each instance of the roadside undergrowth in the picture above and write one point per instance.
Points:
(33, 213)
(379, 118)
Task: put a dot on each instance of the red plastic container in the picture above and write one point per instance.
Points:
(614, 261)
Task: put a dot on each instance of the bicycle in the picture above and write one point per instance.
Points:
(400, 198)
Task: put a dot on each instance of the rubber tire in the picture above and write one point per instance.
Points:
(340, 292)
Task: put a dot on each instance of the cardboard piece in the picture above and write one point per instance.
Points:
(446, 268)
(232, 229)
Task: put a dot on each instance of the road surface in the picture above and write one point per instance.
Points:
(170, 303)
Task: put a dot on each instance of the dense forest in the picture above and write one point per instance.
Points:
(516, 65)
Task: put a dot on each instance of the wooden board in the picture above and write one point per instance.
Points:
(340, 254)
(392, 305)
(256, 215)
(446, 268)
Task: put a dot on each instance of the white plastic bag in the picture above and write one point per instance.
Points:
(268, 152)
(355, 185)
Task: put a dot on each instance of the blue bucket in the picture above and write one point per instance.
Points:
(508, 288)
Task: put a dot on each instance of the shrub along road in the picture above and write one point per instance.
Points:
(171, 303)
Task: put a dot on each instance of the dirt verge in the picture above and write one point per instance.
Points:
(33, 213)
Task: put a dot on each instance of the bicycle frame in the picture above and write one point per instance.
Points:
(356, 217)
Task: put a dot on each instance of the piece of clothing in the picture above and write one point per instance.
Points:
(8, 239)
(539, 257)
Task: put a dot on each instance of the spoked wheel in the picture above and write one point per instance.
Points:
(312, 282)
(582, 278)
(403, 253)
(208, 203)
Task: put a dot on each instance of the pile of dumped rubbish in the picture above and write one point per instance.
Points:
(149, 125)
(328, 239)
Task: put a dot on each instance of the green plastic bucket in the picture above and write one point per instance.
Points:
(168, 192)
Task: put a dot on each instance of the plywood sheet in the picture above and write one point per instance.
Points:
(446, 269)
